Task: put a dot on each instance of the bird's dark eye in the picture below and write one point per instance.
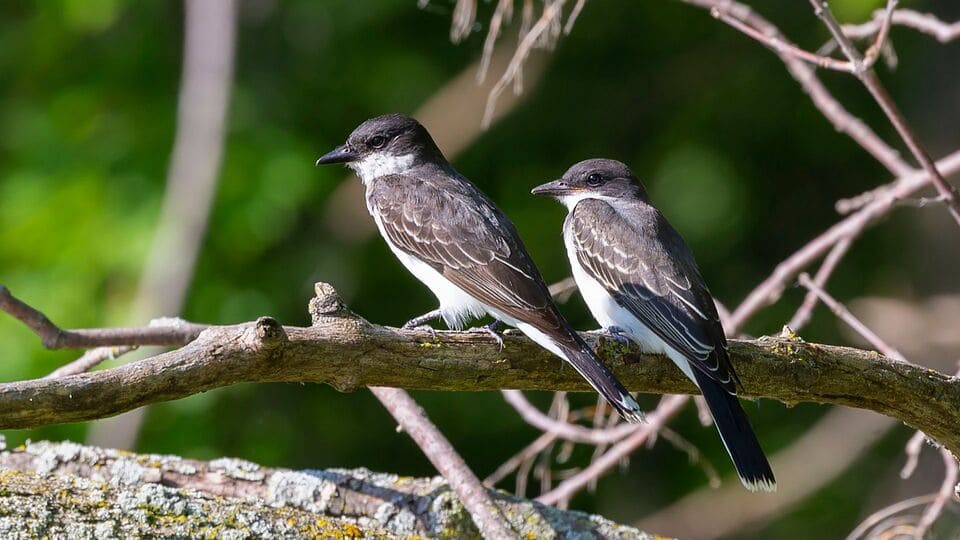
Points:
(594, 179)
(377, 141)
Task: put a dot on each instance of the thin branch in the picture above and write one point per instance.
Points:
(770, 289)
(413, 420)
(841, 119)
(779, 45)
(90, 360)
(564, 430)
(574, 14)
(783, 47)
(655, 420)
(819, 456)
(53, 337)
(864, 529)
(852, 321)
(830, 262)
(945, 494)
(693, 455)
(514, 70)
(913, 448)
(925, 23)
(510, 465)
(501, 15)
(873, 85)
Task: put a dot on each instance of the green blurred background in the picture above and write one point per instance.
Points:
(731, 149)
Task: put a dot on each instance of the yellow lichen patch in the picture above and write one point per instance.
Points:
(352, 531)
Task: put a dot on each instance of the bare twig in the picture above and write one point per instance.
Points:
(564, 430)
(510, 465)
(873, 85)
(913, 448)
(844, 314)
(89, 360)
(823, 100)
(815, 459)
(464, 15)
(693, 455)
(769, 290)
(53, 337)
(777, 44)
(925, 23)
(501, 15)
(865, 527)
(830, 262)
(669, 406)
(572, 18)
(448, 462)
(946, 493)
(513, 72)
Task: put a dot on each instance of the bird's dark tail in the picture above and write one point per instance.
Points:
(737, 435)
(589, 366)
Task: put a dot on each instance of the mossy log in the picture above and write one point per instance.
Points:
(65, 490)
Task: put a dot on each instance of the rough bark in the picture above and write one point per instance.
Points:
(65, 490)
(348, 353)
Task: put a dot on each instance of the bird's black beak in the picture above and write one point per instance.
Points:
(556, 188)
(340, 154)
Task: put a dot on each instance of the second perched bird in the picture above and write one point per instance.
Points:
(639, 279)
(453, 238)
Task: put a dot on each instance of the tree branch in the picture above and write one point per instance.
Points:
(347, 352)
(869, 78)
(65, 490)
(447, 461)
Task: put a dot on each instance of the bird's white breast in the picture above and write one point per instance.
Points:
(456, 305)
(608, 312)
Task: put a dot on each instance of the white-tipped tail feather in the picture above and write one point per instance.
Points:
(589, 366)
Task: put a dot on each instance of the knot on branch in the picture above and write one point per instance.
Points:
(269, 332)
(327, 303)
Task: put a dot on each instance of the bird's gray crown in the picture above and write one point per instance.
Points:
(386, 145)
(393, 134)
(607, 177)
(594, 179)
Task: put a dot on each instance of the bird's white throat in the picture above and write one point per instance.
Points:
(381, 164)
(570, 201)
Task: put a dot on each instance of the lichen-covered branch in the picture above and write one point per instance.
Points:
(65, 490)
(347, 352)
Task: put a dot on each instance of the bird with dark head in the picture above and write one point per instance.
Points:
(640, 281)
(456, 241)
(388, 144)
(594, 178)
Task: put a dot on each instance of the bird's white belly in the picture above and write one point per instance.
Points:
(609, 313)
(456, 305)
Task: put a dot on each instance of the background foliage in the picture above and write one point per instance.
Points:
(730, 148)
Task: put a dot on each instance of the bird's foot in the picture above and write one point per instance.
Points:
(619, 335)
(422, 320)
(420, 323)
(492, 330)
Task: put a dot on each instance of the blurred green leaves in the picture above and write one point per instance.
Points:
(701, 193)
